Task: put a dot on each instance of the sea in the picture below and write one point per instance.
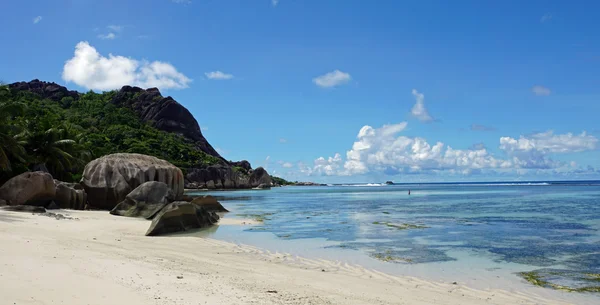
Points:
(492, 235)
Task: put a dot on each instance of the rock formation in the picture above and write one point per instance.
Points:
(260, 176)
(70, 195)
(163, 113)
(181, 216)
(24, 208)
(29, 188)
(145, 200)
(109, 179)
(226, 177)
(210, 203)
(47, 90)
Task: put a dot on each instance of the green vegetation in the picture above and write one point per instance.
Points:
(280, 181)
(536, 279)
(403, 226)
(63, 136)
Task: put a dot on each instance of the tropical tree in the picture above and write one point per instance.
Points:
(59, 150)
(10, 145)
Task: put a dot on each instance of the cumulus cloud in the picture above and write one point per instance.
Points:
(418, 110)
(548, 142)
(274, 2)
(89, 69)
(218, 75)
(384, 150)
(332, 79)
(37, 19)
(540, 90)
(478, 127)
(182, 1)
(282, 140)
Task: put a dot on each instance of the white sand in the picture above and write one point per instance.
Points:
(103, 259)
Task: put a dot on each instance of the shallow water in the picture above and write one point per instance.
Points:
(481, 234)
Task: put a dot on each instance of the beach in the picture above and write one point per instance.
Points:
(91, 257)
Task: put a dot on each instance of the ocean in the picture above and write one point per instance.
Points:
(486, 235)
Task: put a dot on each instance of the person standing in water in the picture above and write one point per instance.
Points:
(408, 192)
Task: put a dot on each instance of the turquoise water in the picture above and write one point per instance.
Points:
(458, 228)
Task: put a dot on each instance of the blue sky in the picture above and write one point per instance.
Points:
(511, 87)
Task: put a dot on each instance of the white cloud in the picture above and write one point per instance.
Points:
(546, 17)
(182, 1)
(540, 90)
(287, 165)
(91, 70)
(37, 19)
(282, 140)
(418, 110)
(274, 2)
(383, 150)
(548, 142)
(267, 158)
(115, 28)
(332, 79)
(218, 75)
(107, 36)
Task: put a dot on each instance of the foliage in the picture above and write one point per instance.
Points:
(280, 181)
(65, 135)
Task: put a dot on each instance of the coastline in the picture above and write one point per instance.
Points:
(93, 257)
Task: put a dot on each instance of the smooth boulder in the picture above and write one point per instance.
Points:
(263, 186)
(210, 203)
(259, 176)
(181, 216)
(29, 188)
(24, 208)
(109, 179)
(145, 200)
(69, 195)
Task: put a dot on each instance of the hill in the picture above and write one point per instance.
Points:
(132, 120)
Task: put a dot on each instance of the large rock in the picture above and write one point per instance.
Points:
(109, 179)
(260, 176)
(165, 114)
(181, 216)
(24, 208)
(145, 200)
(30, 188)
(47, 90)
(210, 203)
(217, 177)
(69, 195)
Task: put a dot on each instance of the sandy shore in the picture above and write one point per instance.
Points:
(96, 258)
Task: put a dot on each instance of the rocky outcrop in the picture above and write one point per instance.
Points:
(260, 176)
(210, 203)
(181, 216)
(145, 200)
(225, 177)
(109, 179)
(29, 188)
(245, 165)
(164, 113)
(263, 186)
(47, 90)
(69, 195)
(24, 208)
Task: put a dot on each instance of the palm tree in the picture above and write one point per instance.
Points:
(60, 150)
(10, 144)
